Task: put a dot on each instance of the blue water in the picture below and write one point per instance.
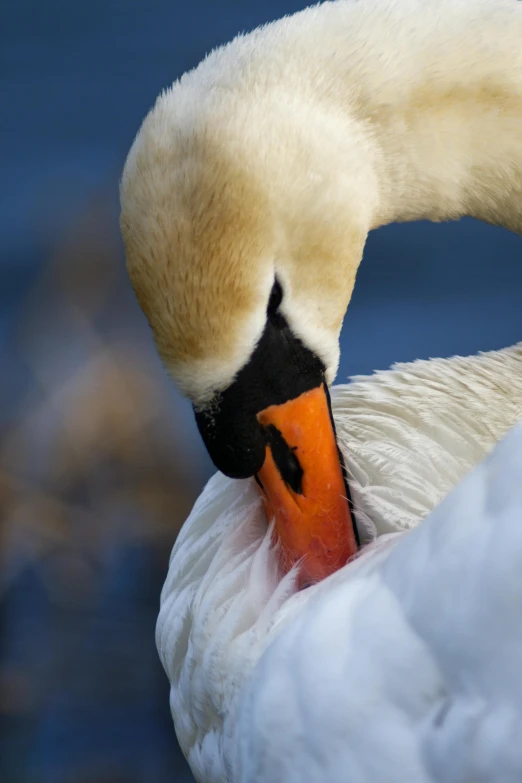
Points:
(76, 78)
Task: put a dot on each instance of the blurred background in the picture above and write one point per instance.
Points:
(100, 460)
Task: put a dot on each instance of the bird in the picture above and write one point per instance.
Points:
(247, 197)
(246, 200)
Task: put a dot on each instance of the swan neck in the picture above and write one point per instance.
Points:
(452, 150)
(446, 167)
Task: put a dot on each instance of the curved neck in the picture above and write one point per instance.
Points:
(452, 154)
(437, 87)
(443, 106)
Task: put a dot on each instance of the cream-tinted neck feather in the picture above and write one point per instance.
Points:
(408, 435)
(280, 152)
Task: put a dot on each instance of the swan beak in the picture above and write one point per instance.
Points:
(303, 487)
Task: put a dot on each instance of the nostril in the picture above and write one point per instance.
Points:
(285, 458)
(235, 443)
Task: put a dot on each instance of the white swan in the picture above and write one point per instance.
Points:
(246, 200)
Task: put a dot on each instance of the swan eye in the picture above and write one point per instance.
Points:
(276, 297)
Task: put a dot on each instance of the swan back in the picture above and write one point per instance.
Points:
(411, 433)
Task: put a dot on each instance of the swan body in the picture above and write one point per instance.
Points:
(229, 627)
(406, 669)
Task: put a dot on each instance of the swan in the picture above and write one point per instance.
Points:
(246, 200)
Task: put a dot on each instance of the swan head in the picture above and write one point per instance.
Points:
(244, 223)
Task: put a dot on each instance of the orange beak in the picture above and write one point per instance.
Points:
(304, 488)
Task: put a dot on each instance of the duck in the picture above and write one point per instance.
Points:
(246, 200)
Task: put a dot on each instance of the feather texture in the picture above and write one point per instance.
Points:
(408, 435)
(408, 669)
(279, 153)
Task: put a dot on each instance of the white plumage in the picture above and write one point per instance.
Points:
(406, 667)
(372, 674)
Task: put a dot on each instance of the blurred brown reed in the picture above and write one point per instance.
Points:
(98, 450)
